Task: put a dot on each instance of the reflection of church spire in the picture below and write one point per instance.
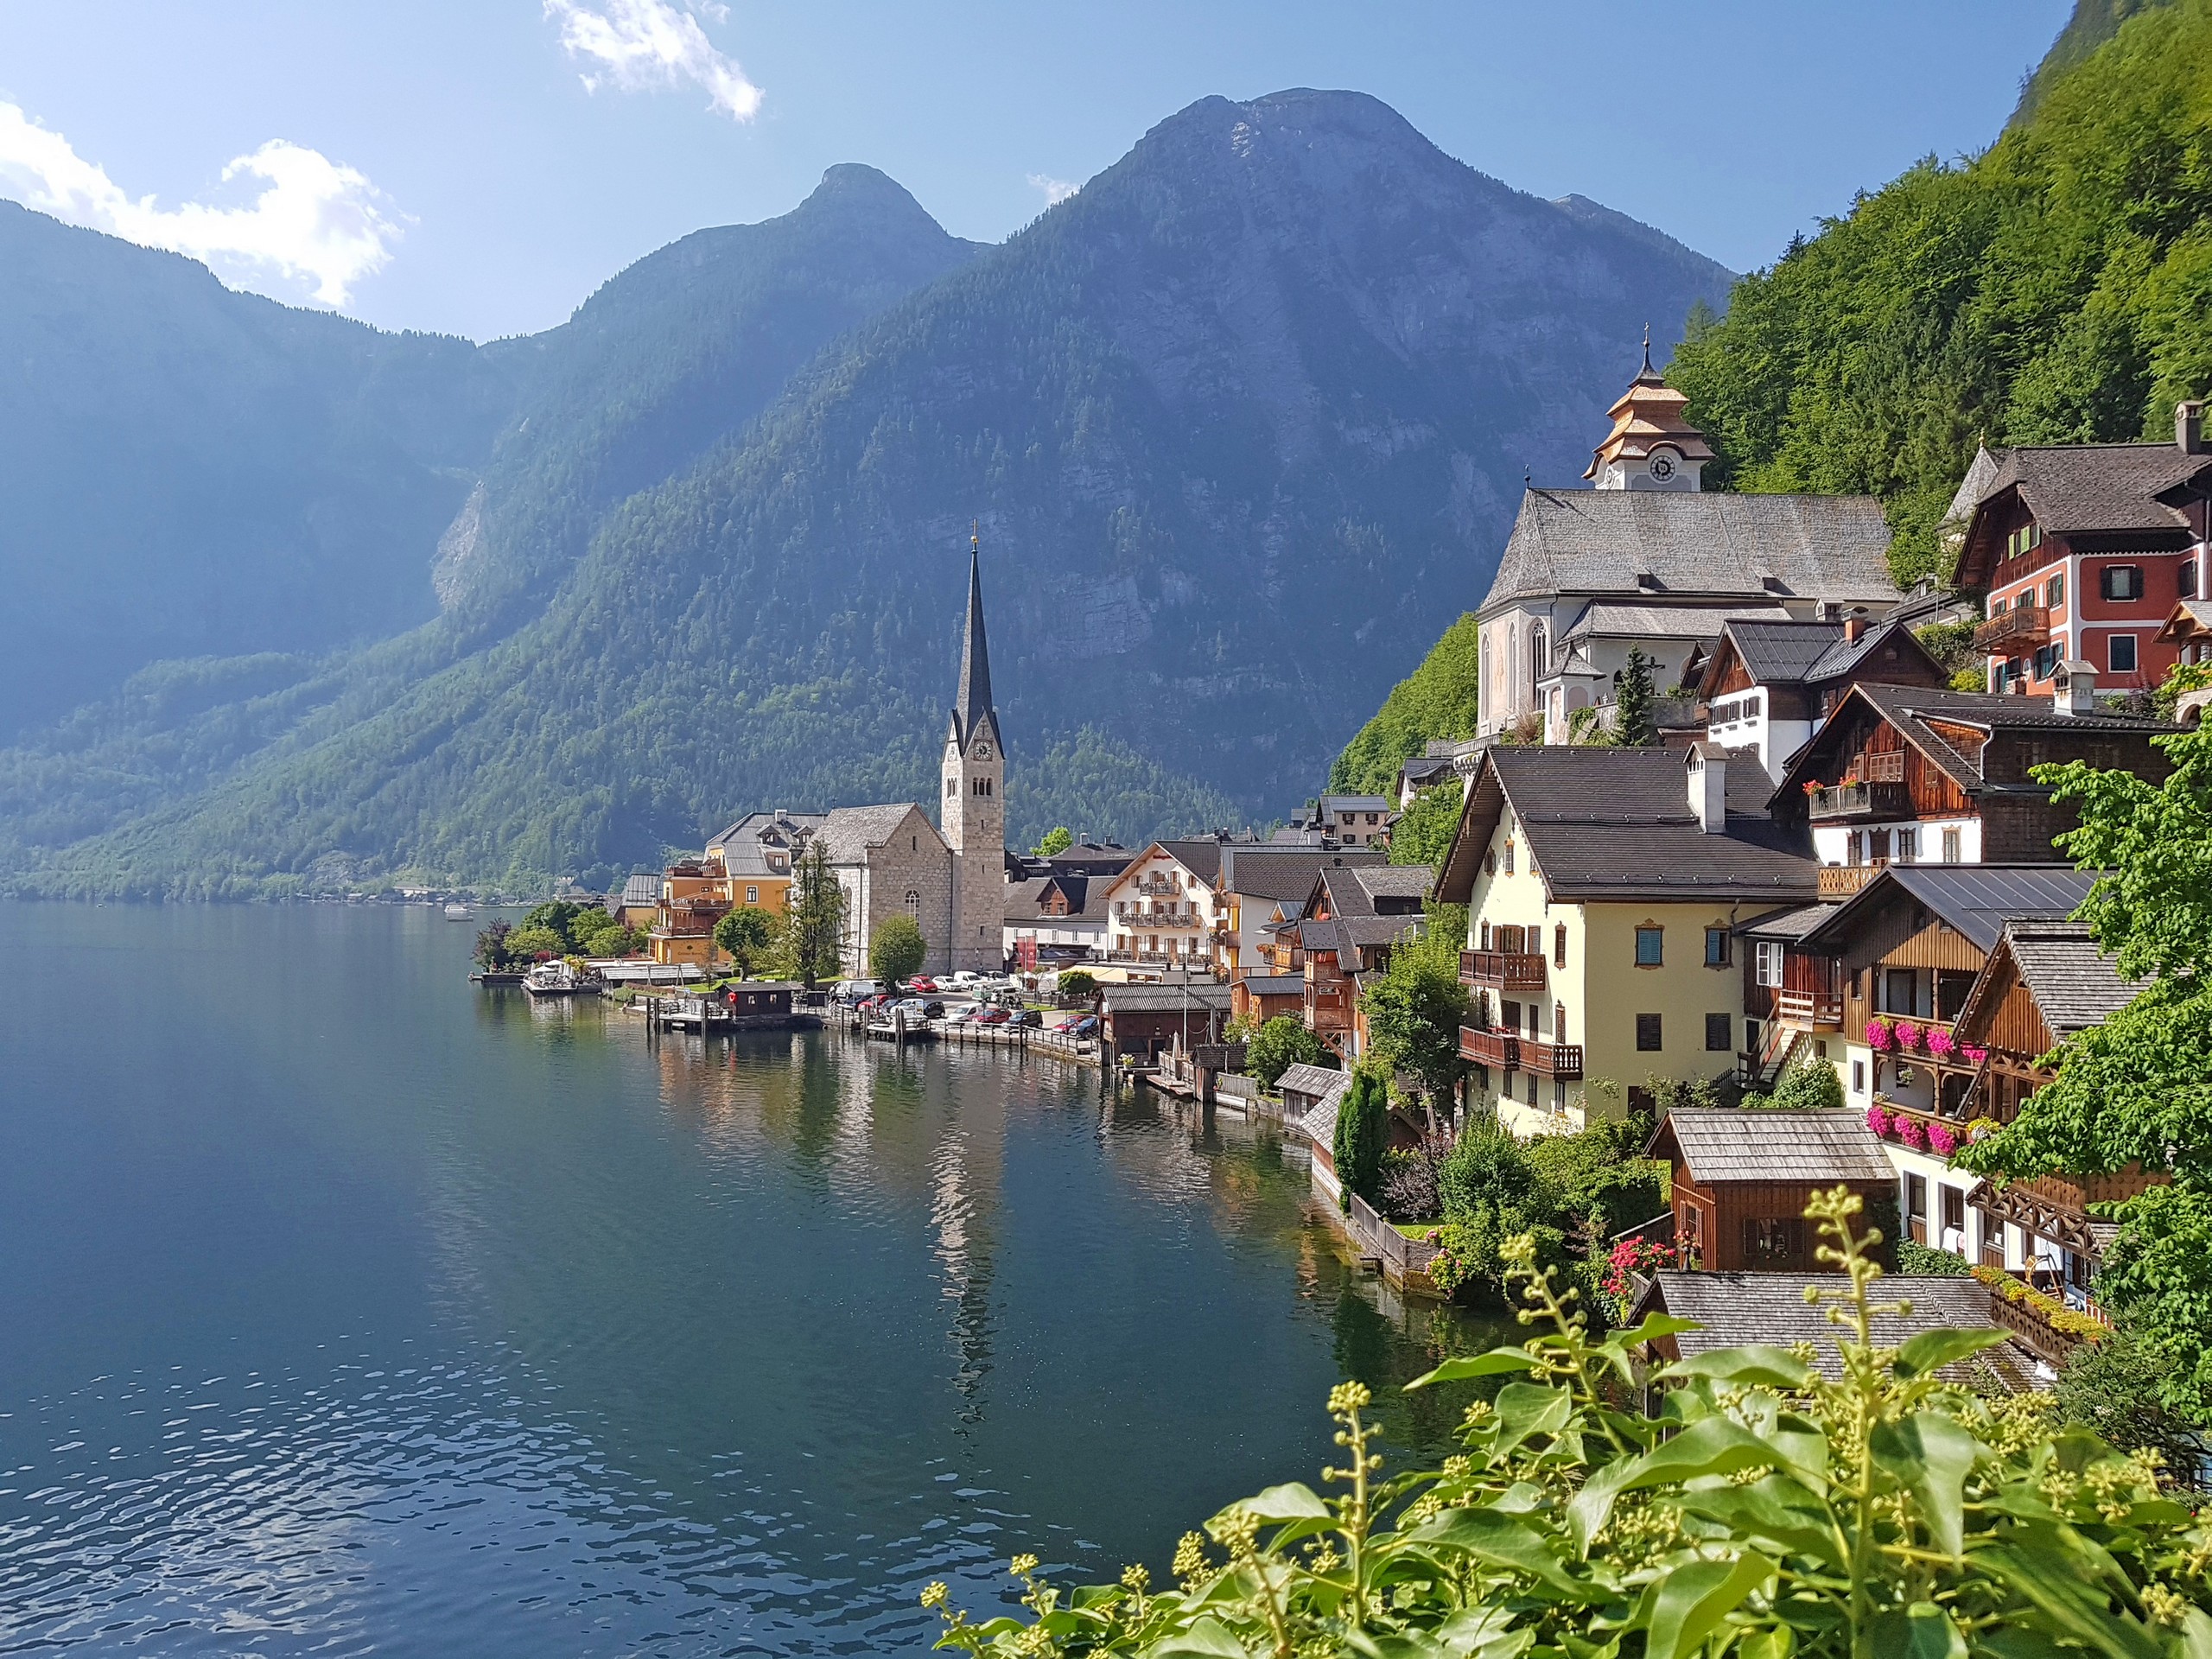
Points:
(963, 1250)
(972, 708)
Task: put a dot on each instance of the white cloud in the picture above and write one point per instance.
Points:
(1055, 190)
(640, 45)
(310, 220)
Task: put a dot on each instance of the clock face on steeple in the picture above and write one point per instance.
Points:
(1662, 465)
(983, 751)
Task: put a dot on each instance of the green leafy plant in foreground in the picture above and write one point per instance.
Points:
(1772, 1507)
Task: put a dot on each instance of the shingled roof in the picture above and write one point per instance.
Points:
(2074, 984)
(1163, 999)
(1912, 709)
(2128, 491)
(1616, 823)
(1283, 873)
(1717, 1145)
(1637, 543)
(1735, 1310)
(848, 832)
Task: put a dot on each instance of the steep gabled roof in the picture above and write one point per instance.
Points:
(1639, 544)
(2074, 984)
(848, 832)
(1284, 874)
(1913, 710)
(1617, 824)
(1721, 1145)
(2079, 489)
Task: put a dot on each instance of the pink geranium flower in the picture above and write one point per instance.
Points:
(1881, 1036)
(1909, 1132)
(1908, 1034)
(1878, 1119)
(1941, 1043)
(1942, 1140)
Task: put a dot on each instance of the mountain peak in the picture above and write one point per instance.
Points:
(856, 184)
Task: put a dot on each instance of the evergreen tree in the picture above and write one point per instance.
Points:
(1636, 715)
(1363, 1134)
(817, 917)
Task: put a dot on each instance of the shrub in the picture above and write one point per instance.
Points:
(1926, 1261)
(1408, 1184)
(1078, 981)
(896, 949)
(1769, 1510)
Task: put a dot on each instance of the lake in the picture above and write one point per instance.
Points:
(347, 1306)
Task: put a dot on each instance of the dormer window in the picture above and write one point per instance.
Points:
(2026, 539)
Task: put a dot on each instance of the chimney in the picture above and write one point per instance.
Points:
(1854, 625)
(2188, 427)
(1708, 779)
(2073, 688)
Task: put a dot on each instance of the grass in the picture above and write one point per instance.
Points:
(1417, 1231)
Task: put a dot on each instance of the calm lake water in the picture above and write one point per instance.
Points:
(345, 1308)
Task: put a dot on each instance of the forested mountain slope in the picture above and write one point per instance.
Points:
(188, 471)
(2055, 288)
(1238, 420)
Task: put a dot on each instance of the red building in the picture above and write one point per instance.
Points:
(2083, 551)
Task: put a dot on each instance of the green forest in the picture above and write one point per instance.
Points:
(2054, 288)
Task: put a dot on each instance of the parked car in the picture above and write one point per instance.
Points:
(992, 1016)
(923, 983)
(851, 991)
(1027, 1017)
(966, 980)
(1082, 1025)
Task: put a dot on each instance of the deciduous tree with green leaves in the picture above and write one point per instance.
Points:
(2137, 1089)
(744, 934)
(1423, 832)
(896, 950)
(1416, 1006)
(1279, 1043)
(1057, 840)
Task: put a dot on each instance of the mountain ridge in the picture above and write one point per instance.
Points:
(1238, 420)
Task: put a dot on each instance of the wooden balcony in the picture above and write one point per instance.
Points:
(1509, 1052)
(2077, 1192)
(1503, 971)
(1837, 803)
(2024, 627)
(1811, 1010)
(1839, 881)
(2029, 1324)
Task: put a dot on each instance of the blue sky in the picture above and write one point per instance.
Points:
(443, 165)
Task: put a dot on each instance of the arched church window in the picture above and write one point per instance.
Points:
(1539, 656)
(913, 903)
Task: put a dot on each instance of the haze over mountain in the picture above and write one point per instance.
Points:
(1242, 422)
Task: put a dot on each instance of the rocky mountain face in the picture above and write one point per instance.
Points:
(1242, 423)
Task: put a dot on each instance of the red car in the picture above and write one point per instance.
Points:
(992, 1017)
(923, 985)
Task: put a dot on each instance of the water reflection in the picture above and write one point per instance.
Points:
(371, 1310)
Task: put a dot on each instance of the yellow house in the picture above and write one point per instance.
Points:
(1603, 887)
(748, 863)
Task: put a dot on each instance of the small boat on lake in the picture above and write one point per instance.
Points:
(457, 912)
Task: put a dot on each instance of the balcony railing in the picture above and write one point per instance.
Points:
(1827, 803)
(1504, 970)
(1159, 884)
(1512, 1053)
(1839, 881)
(2079, 1191)
(1811, 1010)
(2030, 1322)
(2023, 627)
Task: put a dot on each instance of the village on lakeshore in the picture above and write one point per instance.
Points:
(1744, 876)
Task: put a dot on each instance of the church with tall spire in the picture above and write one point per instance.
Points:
(972, 809)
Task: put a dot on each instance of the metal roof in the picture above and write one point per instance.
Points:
(1977, 900)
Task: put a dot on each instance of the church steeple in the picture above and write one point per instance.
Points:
(1652, 445)
(972, 708)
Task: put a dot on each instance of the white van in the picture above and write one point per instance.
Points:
(849, 991)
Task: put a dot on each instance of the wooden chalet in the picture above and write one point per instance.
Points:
(1768, 685)
(1742, 1180)
(1258, 997)
(2044, 982)
(1920, 775)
